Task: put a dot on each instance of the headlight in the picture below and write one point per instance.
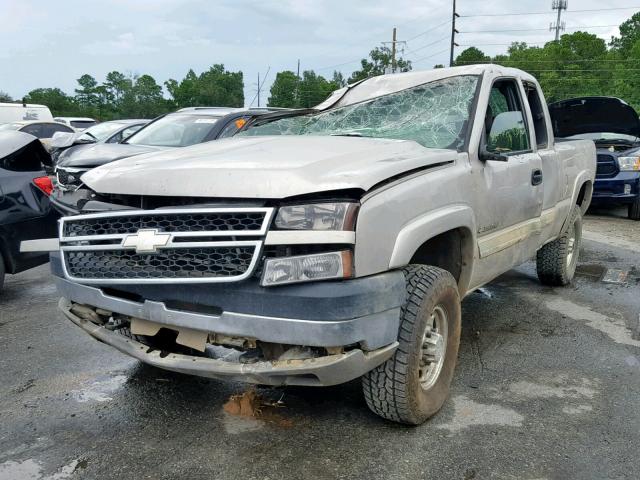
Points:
(628, 164)
(306, 268)
(318, 216)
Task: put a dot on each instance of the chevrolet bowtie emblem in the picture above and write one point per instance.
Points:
(146, 240)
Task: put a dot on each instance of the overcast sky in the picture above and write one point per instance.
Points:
(50, 44)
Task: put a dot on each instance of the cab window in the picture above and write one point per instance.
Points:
(505, 122)
(537, 113)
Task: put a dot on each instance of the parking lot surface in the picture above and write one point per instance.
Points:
(547, 387)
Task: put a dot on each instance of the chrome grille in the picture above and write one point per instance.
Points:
(166, 222)
(163, 246)
(214, 262)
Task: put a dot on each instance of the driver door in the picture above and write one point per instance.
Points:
(510, 186)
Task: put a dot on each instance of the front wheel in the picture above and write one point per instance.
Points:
(556, 261)
(412, 385)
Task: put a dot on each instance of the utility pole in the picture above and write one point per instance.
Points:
(558, 5)
(258, 89)
(454, 15)
(394, 50)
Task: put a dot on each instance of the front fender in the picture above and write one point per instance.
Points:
(427, 226)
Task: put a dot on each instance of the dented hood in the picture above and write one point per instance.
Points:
(265, 167)
(581, 115)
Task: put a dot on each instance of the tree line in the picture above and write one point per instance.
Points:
(579, 64)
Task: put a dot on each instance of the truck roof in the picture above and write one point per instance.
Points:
(385, 84)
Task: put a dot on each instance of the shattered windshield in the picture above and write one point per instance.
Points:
(435, 115)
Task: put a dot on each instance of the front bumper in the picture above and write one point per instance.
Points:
(611, 191)
(323, 371)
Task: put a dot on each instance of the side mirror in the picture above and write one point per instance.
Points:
(485, 155)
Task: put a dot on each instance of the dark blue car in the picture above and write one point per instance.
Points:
(614, 126)
(25, 211)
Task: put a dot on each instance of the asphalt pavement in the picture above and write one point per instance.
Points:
(547, 387)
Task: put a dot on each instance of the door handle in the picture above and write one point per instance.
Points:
(536, 177)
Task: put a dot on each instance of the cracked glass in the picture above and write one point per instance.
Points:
(435, 115)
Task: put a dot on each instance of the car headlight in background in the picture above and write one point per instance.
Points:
(629, 164)
(317, 216)
(307, 268)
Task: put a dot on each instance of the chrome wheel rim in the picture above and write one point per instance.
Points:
(434, 347)
(573, 247)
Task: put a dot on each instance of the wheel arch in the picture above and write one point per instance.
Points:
(443, 238)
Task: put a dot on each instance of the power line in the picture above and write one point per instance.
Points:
(429, 30)
(535, 29)
(546, 13)
(429, 44)
(429, 56)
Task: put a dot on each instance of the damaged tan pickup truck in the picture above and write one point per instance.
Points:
(320, 246)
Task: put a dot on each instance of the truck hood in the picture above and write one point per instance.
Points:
(593, 115)
(94, 155)
(265, 167)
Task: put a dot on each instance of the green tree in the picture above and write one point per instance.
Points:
(86, 96)
(5, 97)
(58, 102)
(215, 87)
(284, 90)
(470, 56)
(288, 90)
(629, 34)
(378, 63)
(149, 101)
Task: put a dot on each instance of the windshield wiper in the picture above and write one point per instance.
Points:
(350, 134)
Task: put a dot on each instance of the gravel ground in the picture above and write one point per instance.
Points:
(547, 387)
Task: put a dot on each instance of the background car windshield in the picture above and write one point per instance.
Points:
(101, 131)
(175, 130)
(435, 115)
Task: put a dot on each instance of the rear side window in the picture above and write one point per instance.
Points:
(537, 112)
(52, 128)
(37, 130)
(505, 126)
(29, 158)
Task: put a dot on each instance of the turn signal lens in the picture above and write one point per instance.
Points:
(307, 268)
(45, 184)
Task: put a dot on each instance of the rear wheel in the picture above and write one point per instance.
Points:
(412, 385)
(556, 261)
(634, 209)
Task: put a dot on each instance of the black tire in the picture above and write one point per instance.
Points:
(396, 389)
(556, 261)
(2, 272)
(634, 210)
